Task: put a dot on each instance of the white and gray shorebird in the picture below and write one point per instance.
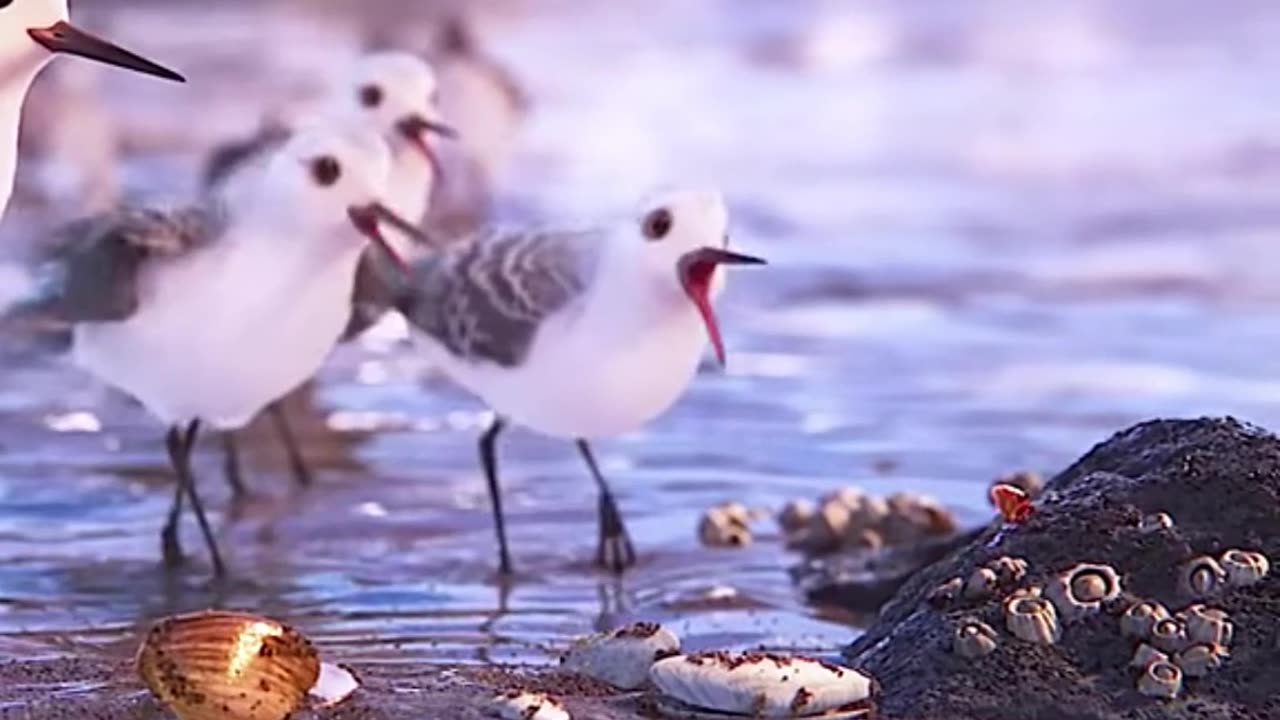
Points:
(209, 313)
(31, 33)
(395, 94)
(578, 335)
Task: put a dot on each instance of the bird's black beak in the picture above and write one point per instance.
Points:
(63, 37)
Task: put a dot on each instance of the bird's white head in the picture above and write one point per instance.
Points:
(32, 31)
(681, 240)
(397, 92)
(328, 176)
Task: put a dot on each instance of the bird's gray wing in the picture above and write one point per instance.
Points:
(485, 299)
(229, 158)
(91, 273)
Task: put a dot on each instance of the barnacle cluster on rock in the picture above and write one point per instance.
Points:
(850, 518)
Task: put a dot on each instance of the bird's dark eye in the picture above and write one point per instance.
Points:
(371, 96)
(5, 3)
(325, 170)
(657, 224)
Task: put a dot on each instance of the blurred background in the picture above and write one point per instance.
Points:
(999, 231)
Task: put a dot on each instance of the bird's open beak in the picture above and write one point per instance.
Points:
(697, 270)
(63, 37)
(368, 220)
(416, 128)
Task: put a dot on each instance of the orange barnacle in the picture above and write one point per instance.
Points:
(1013, 503)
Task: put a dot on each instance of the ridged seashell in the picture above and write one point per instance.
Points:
(981, 584)
(796, 514)
(1160, 679)
(520, 705)
(1169, 635)
(218, 665)
(1201, 577)
(760, 684)
(946, 593)
(623, 657)
(831, 523)
(974, 639)
(1139, 619)
(721, 528)
(1155, 522)
(335, 684)
(1244, 567)
(850, 496)
(1198, 660)
(1032, 618)
(1145, 655)
(1009, 570)
(1081, 591)
(1208, 626)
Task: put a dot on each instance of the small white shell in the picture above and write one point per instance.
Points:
(1145, 655)
(1169, 635)
(974, 639)
(1201, 577)
(1138, 620)
(1206, 625)
(1244, 567)
(829, 526)
(870, 513)
(623, 657)
(335, 685)
(1009, 570)
(1155, 522)
(1198, 660)
(981, 584)
(517, 705)
(946, 593)
(1082, 590)
(1161, 679)
(796, 514)
(850, 496)
(1032, 618)
(722, 528)
(759, 684)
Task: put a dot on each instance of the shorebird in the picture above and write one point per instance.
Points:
(208, 313)
(395, 94)
(31, 33)
(577, 335)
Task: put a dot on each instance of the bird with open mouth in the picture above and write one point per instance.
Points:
(209, 313)
(578, 334)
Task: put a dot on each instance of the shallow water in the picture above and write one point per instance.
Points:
(998, 234)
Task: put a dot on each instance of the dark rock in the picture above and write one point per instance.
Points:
(1219, 479)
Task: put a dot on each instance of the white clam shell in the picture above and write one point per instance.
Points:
(760, 684)
(335, 685)
(517, 705)
(623, 657)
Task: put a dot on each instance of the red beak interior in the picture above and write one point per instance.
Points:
(697, 272)
(368, 220)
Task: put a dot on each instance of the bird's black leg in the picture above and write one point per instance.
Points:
(614, 551)
(301, 473)
(180, 447)
(488, 459)
(170, 545)
(231, 467)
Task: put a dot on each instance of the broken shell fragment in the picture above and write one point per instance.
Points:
(623, 657)
(760, 685)
(1154, 523)
(520, 705)
(723, 528)
(981, 584)
(335, 684)
(1032, 618)
(1161, 679)
(796, 514)
(1081, 591)
(1199, 660)
(1145, 655)
(1009, 570)
(1169, 635)
(946, 593)
(974, 639)
(1244, 567)
(1206, 625)
(1201, 577)
(1139, 619)
(218, 665)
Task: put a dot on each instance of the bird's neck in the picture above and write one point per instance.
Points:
(15, 81)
